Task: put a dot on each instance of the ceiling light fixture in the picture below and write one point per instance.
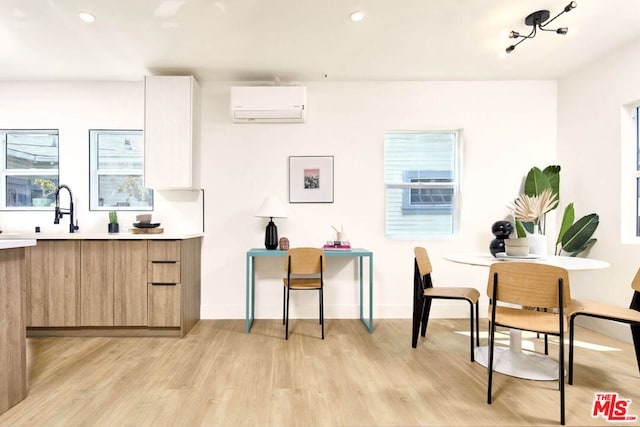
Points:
(86, 17)
(357, 16)
(536, 20)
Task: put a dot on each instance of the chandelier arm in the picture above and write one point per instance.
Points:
(545, 29)
(549, 21)
(531, 35)
(521, 41)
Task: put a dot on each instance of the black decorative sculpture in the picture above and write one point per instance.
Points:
(501, 230)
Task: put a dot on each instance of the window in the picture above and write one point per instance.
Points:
(637, 168)
(421, 173)
(117, 168)
(29, 168)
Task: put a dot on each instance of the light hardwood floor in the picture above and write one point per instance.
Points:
(218, 375)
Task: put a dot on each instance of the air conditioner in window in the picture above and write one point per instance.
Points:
(268, 104)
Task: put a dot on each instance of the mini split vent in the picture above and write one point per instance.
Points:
(268, 104)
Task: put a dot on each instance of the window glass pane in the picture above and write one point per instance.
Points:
(31, 190)
(119, 151)
(117, 171)
(28, 168)
(420, 173)
(637, 140)
(637, 143)
(31, 150)
(122, 191)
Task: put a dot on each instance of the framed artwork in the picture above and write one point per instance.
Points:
(310, 179)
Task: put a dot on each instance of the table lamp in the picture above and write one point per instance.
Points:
(271, 208)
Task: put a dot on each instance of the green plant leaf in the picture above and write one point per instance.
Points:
(553, 175)
(520, 231)
(567, 221)
(577, 236)
(586, 247)
(536, 182)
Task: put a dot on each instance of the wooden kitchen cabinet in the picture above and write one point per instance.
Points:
(174, 283)
(130, 283)
(114, 283)
(171, 132)
(13, 348)
(113, 287)
(96, 300)
(53, 283)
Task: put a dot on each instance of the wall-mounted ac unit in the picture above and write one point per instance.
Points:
(268, 104)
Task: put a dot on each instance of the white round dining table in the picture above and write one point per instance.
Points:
(515, 361)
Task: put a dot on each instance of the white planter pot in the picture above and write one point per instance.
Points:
(537, 244)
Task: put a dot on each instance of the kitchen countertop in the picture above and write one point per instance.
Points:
(16, 243)
(6, 237)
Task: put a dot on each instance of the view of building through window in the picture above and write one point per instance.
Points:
(29, 168)
(117, 171)
(421, 179)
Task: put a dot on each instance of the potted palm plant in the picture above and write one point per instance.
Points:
(574, 237)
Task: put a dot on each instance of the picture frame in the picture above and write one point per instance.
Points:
(310, 179)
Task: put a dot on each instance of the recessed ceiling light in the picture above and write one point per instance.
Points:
(86, 17)
(357, 16)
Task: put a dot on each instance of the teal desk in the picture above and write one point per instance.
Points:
(354, 252)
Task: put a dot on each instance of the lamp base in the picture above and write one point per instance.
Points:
(271, 236)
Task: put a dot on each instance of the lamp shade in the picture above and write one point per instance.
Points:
(271, 208)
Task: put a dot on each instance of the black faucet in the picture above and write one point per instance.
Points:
(60, 212)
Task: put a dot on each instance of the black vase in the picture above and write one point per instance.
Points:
(114, 228)
(501, 230)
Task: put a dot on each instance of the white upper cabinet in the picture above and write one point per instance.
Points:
(171, 132)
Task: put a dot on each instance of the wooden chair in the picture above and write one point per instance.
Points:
(629, 315)
(527, 287)
(303, 261)
(424, 292)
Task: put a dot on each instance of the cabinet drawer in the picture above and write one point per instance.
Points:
(163, 305)
(164, 250)
(163, 272)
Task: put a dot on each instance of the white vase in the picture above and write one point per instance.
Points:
(537, 244)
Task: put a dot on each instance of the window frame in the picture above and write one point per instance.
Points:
(95, 172)
(6, 172)
(410, 212)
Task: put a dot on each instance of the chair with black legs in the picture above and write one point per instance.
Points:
(305, 268)
(530, 297)
(630, 316)
(424, 292)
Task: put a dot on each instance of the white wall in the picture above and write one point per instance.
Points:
(508, 127)
(73, 108)
(591, 126)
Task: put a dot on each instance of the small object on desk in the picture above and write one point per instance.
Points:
(517, 247)
(143, 218)
(145, 225)
(501, 230)
(284, 244)
(156, 230)
(337, 245)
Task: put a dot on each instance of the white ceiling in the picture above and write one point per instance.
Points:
(304, 40)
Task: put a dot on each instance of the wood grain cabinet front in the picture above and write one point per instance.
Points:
(174, 283)
(164, 286)
(53, 283)
(146, 287)
(114, 283)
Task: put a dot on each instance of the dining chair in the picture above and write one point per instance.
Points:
(309, 262)
(516, 290)
(424, 292)
(615, 313)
